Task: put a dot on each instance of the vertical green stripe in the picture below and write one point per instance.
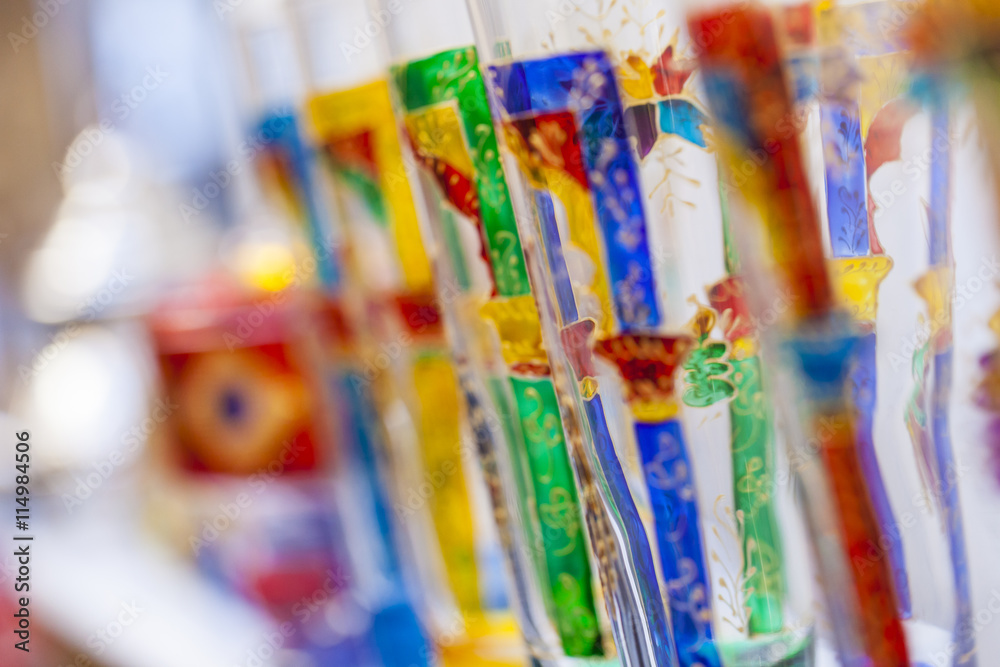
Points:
(509, 420)
(566, 562)
(454, 75)
(754, 489)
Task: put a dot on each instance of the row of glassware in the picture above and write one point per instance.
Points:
(588, 309)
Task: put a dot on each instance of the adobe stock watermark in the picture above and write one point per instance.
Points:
(246, 324)
(562, 12)
(789, 125)
(97, 303)
(88, 311)
(989, 268)
(902, 11)
(970, 627)
(411, 165)
(262, 654)
(432, 482)
(131, 441)
(223, 7)
(452, 631)
(122, 107)
(31, 25)
(432, 137)
(711, 30)
(230, 512)
(313, 603)
(98, 642)
(384, 357)
(247, 152)
(418, 322)
(768, 316)
(791, 638)
(570, 9)
(799, 458)
(263, 309)
(772, 314)
(310, 604)
(913, 168)
(925, 506)
(364, 34)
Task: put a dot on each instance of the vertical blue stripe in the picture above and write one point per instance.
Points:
(396, 631)
(584, 83)
(282, 130)
(865, 388)
(361, 414)
(673, 496)
(554, 255)
(846, 200)
(940, 189)
(964, 634)
(939, 220)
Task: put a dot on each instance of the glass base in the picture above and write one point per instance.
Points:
(791, 648)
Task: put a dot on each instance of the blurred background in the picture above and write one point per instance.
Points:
(116, 115)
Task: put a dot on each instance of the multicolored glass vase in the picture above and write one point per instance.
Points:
(612, 144)
(870, 92)
(248, 466)
(747, 85)
(443, 100)
(289, 171)
(409, 369)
